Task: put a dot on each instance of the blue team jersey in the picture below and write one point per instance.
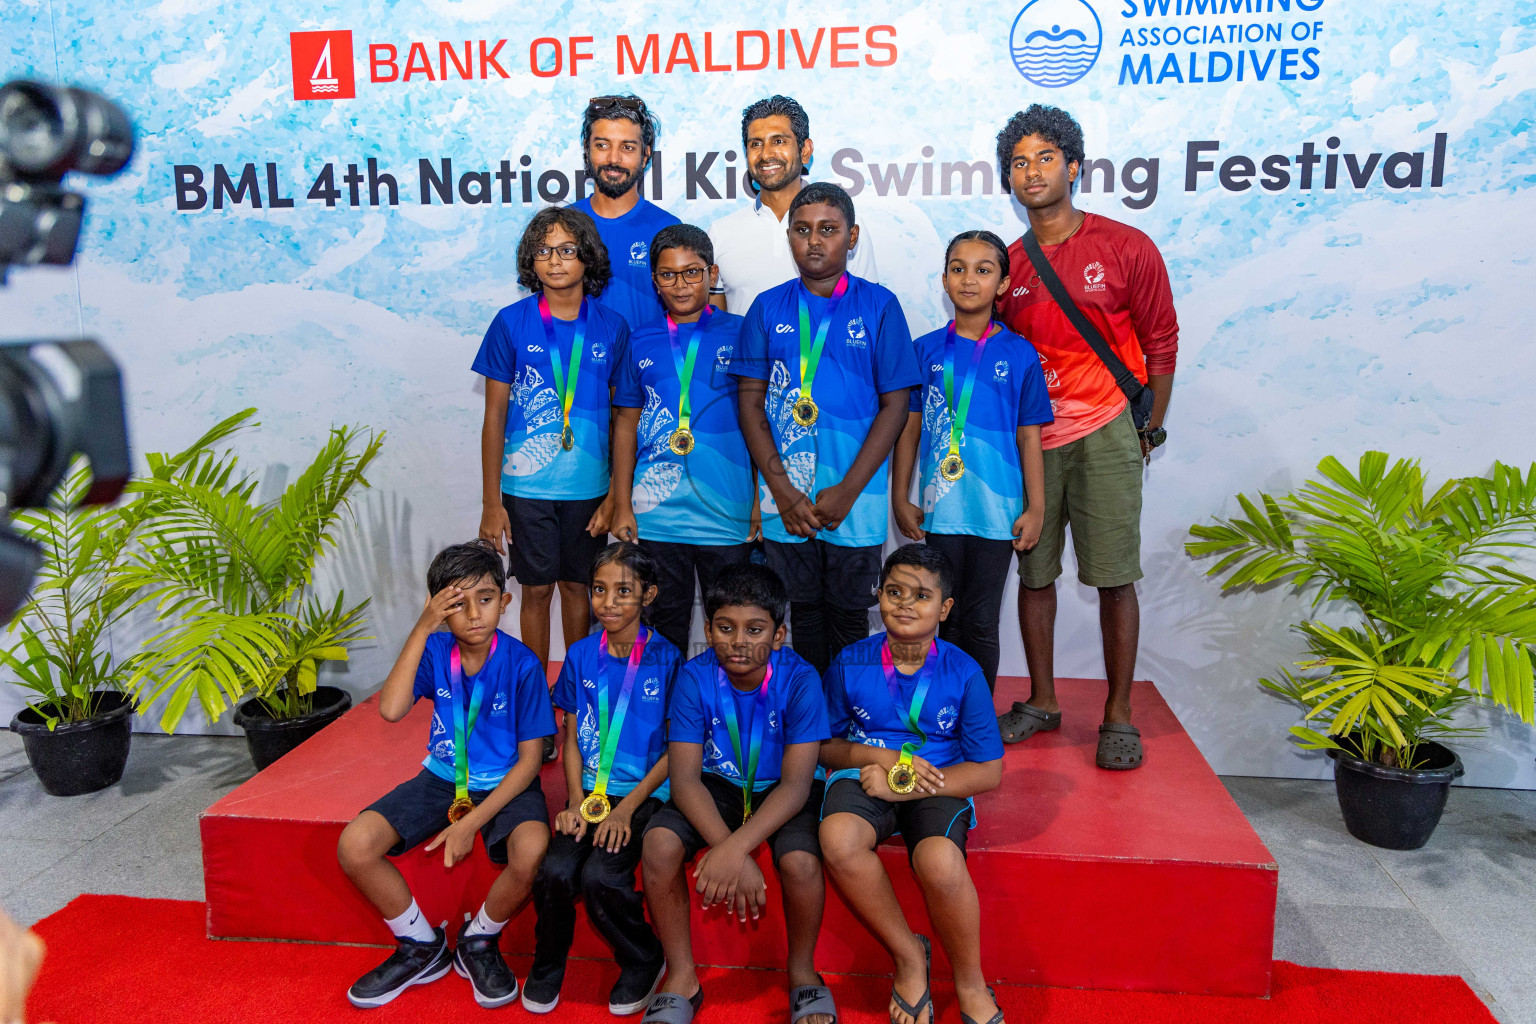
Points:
(704, 497)
(797, 713)
(956, 716)
(628, 240)
(514, 706)
(1009, 392)
(643, 737)
(868, 353)
(515, 352)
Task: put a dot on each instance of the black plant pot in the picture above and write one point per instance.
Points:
(1394, 808)
(79, 757)
(270, 738)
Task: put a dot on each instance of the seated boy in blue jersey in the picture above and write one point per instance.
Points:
(491, 714)
(549, 363)
(825, 366)
(614, 688)
(682, 478)
(747, 723)
(974, 426)
(618, 136)
(914, 739)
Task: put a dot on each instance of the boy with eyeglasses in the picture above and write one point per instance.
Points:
(618, 135)
(682, 479)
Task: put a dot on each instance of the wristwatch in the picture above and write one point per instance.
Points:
(1153, 437)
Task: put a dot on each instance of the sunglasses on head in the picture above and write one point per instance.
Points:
(633, 103)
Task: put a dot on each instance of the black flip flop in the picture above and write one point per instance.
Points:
(913, 1010)
(1023, 720)
(996, 1018)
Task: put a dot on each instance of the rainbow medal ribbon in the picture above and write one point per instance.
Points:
(463, 724)
(902, 777)
(805, 410)
(565, 377)
(681, 441)
(747, 765)
(596, 806)
(952, 466)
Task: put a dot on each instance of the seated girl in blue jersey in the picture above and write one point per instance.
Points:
(747, 724)
(890, 698)
(550, 362)
(491, 715)
(975, 421)
(682, 479)
(614, 688)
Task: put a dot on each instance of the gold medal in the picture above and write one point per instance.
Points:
(460, 807)
(952, 468)
(595, 808)
(902, 777)
(681, 441)
(805, 411)
(567, 438)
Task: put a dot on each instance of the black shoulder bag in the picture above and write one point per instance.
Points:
(1136, 393)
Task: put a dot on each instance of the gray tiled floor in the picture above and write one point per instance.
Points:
(1465, 904)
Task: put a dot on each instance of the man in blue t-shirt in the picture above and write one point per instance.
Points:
(618, 136)
(682, 478)
(748, 720)
(491, 713)
(825, 367)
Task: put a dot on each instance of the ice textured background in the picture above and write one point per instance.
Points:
(1312, 323)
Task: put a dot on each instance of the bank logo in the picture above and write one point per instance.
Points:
(322, 65)
(1055, 42)
(646, 364)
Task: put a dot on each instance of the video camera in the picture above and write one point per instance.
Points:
(58, 399)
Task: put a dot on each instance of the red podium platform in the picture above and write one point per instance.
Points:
(1147, 880)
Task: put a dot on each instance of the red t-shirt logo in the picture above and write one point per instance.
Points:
(322, 65)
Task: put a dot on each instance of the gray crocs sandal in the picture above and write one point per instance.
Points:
(810, 1000)
(1023, 720)
(1119, 747)
(670, 1008)
(913, 1010)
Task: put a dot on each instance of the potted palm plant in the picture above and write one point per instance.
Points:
(75, 727)
(232, 579)
(1431, 617)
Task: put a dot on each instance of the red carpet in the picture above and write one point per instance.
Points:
(118, 960)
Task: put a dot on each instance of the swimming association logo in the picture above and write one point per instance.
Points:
(1056, 42)
(638, 252)
(322, 65)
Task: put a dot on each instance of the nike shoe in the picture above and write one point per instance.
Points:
(541, 990)
(478, 958)
(634, 989)
(412, 963)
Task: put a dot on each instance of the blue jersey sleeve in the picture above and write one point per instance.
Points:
(1034, 399)
(805, 711)
(690, 719)
(839, 713)
(567, 695)
(426, 673)
(895, 357)
(619, 358)
(495, 360)
(535, 715)
(980, 739)
(750, 358)
(626, 387)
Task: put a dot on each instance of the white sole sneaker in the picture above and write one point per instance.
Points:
(373, 1002)
(489, 1002)
(630, 1009)
(533, 1007)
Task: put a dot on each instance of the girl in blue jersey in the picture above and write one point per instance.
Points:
(913, 741)
(974, 426)
(682, 478)
(549, 364)
(614, 688)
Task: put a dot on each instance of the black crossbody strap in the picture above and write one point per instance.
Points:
(1127, 381)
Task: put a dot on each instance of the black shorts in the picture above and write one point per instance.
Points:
(418, 810)
(550, 542)
(798, 833)
(916, 820)
(817, 571)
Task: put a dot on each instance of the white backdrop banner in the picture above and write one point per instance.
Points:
(323, 212)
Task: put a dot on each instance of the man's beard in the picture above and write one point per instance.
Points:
(613, 189)
(789, 174)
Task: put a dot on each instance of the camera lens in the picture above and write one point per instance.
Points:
(46, 131)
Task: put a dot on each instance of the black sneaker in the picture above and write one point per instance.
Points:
(541, 992)
(478, 958)
(412, 963)
(634, 989)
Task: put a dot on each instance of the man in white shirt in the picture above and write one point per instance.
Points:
(752, 243)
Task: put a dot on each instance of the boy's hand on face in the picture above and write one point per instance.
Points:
(439, 606)
(571, 823)
(494, 525)
(717, 874)
(909, 519)
(799, 516)
(613, 833)
(624, 525)
(1026, 529)
(457, 840)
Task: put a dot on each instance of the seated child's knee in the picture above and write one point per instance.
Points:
(662, 852)
(939, 864)
(842, 840)
(798, 867)
(361, 842)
